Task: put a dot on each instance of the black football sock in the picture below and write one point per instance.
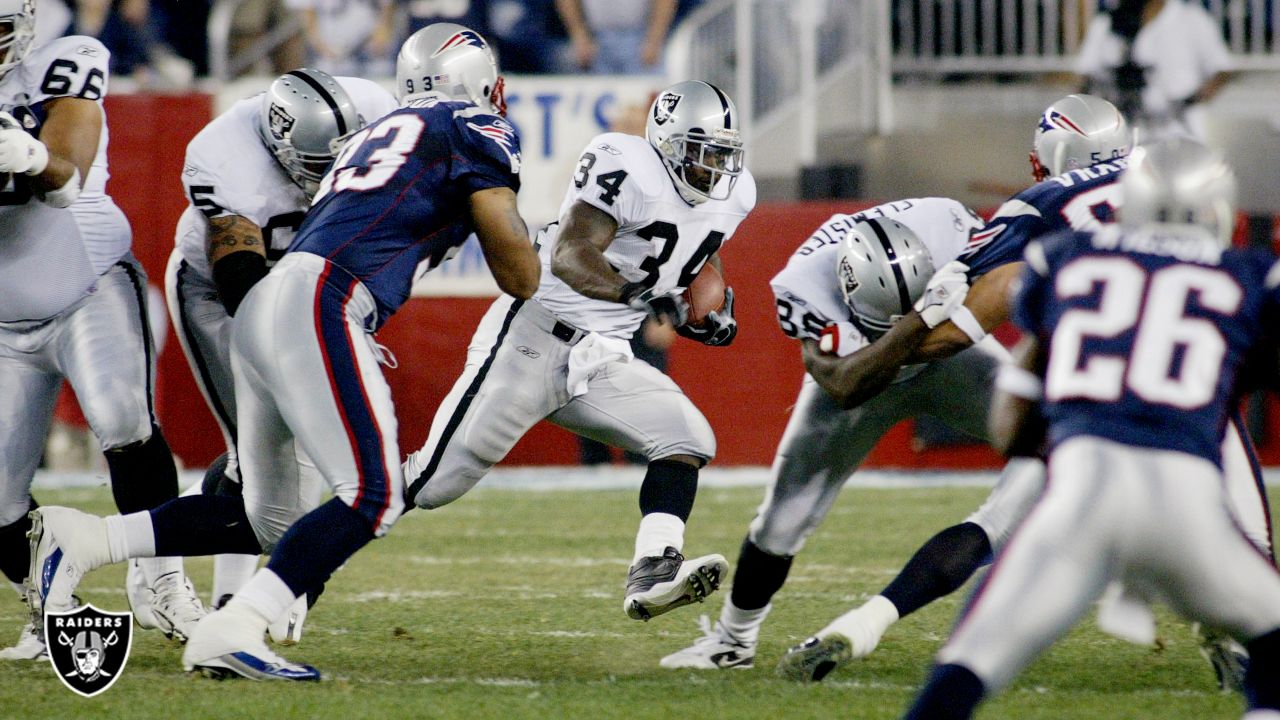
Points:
(143, 474)
(1261, 686)
(15, 550)
(757, 576)
(669, 486)
(951, 693)
(317, 545)
(939, 567)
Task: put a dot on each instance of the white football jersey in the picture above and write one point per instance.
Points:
(230, 171)
(661, 239)
(807, 291)
(74, 67)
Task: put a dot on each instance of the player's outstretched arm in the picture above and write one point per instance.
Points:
(988, 300)
(1015, 424)
(58, 162)
(578, 258)
(504, 238)
(854, 379)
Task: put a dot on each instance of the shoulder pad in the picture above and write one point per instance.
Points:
(73, 66)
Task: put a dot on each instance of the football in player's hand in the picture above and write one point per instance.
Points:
(705, 294)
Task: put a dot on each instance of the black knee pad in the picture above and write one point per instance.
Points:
(143, 474)
(15, 552)
(216, 481)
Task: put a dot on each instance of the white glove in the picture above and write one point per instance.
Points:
(19, 152)
(944, 294)
(841, 339)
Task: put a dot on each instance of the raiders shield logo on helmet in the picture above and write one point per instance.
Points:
(88, 647)
(281, 123)
(848, 280)
(665, 106)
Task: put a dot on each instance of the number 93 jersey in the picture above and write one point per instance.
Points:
(1146, 332)
(229, 171)
(661, 240)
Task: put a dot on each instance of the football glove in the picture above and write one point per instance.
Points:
(841, 339)
(720, 327)
(19, 152)
(945, 293)
(669, 308)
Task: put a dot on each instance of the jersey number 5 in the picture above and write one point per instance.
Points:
(1153, 370)
(389, 144)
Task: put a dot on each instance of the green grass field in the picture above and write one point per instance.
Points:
(508, 604)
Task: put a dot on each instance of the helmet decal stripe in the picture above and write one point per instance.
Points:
(324, 94)
(724, 103)
(904, 295)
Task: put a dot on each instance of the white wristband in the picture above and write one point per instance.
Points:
(968, 324)
(65, 195)
(1020, 383)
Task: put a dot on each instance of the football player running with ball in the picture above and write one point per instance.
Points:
(250, 175)
(640, 219)
(845, 285)
(72, 304)
(404, 191)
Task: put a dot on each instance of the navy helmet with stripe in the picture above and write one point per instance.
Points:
(695, 127)
(883, 268)
(306, 116)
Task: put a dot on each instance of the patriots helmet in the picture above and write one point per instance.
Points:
(1076, 132)
(17, 29)
(451, 60)
(305, 118)
(883, 268)
(1179, 182)
(696, 129)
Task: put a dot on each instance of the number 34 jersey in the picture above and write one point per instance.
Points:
(1147, 332)
(230, 171)
(661, 239)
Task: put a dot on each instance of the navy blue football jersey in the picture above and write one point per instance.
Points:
(1083, 199)
(397, 194)
(1146, 333)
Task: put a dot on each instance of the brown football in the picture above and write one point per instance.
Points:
(705, 294)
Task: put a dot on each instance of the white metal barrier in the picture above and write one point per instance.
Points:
(1017, 36)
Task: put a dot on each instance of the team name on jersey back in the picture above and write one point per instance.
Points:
(1146, 332)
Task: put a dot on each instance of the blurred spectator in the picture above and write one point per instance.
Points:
(1159, 61)
(471, 13)
(253, 22)
(127, 29)
(184, 26)
(650, 345)
(618, 38)
(349, 37)
(529, 36)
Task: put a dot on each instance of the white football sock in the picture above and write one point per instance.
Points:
(864, 625)
(130, 536)
(231, 572)
(743, 625)
(1262, 714)
(265, 595)
(657, 532)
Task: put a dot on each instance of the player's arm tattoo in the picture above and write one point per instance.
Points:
(233, 233)
(988, 300)
(1015, 424)
(578, 259)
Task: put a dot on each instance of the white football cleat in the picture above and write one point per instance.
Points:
(715, 650)
(140, 596)
(65, 544)
(287, 629)
(229, 643)
(662, 583)
(30, 646)
(175, 606)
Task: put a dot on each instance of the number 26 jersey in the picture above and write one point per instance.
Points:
(661, 240)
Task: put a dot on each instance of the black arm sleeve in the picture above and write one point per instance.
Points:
(234, 274)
